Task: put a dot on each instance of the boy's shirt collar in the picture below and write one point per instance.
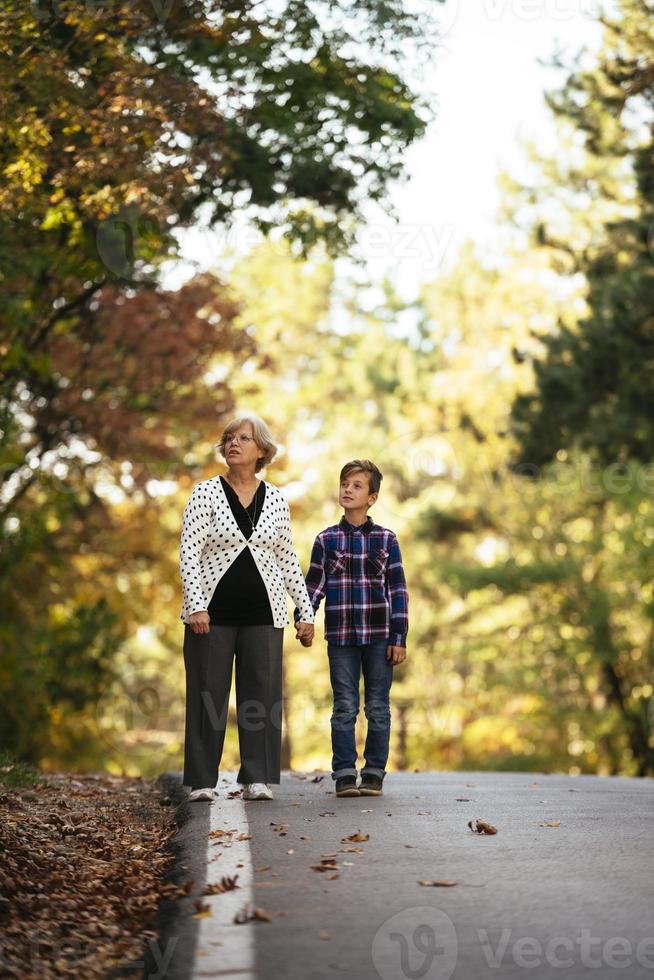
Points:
(365, 528)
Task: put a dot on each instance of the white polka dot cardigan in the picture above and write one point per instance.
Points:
(211, 540)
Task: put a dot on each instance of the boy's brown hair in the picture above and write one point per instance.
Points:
(366, 466)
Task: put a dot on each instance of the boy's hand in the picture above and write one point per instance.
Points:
(304, 633)
(396, 655)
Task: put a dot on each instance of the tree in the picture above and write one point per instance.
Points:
(594, 383)
(121, 127)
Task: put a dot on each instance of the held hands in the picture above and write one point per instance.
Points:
(396, 655)
(304, 633)
(199, 622)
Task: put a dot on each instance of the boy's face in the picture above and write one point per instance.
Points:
(354, 493)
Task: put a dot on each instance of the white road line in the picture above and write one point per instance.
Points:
(225, 949)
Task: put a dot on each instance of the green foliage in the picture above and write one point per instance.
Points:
(14, 772)
(594, 383)
(531, 643)
(122, 126)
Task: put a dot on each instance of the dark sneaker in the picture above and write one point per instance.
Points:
(371, 784)
(347, 786)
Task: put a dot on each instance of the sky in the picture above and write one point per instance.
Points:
(488, 84)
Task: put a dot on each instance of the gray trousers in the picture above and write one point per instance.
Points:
(208, 659)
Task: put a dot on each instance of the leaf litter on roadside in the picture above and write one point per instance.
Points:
(95, 845)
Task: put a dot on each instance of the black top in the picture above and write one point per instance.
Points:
(240, 597)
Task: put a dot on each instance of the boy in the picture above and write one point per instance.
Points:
(356, 565)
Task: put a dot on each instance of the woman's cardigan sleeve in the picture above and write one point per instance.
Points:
(196, 523)
(288, 561)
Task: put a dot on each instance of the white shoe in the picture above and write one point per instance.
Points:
(257, 791)
(206, 793)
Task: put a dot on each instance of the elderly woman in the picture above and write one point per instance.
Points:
(237, 562)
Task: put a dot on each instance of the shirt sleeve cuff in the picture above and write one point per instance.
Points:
(397, 640)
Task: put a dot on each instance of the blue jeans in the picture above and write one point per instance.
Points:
(345, 666)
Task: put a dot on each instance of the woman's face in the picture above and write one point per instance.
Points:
(240, 447)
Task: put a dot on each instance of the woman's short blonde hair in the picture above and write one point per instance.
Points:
(262, 437)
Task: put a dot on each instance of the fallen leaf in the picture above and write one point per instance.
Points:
(226, 884)
(438, 884)
(203, 909)
(326, 864)
(482, 827)
(264, 867)
(256, 914)
(355, 837)
(324, 934)
(551, 823)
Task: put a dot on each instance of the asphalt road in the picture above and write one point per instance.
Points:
(570, 899)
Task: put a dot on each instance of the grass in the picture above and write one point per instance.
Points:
(13, 772)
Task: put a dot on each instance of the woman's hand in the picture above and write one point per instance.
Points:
(199, 622)
(304, 633)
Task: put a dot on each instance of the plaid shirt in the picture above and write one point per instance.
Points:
(358, 570)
